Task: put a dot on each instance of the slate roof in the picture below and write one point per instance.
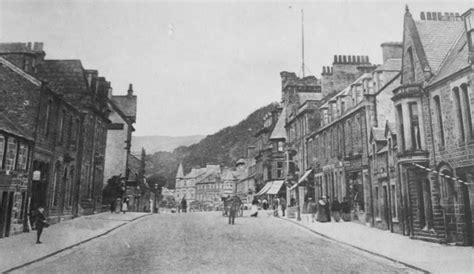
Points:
(309, 96)
(455, 61)
(8, 126)
(126, 103)
(392, 64)
(378, 134)
(437, 39)
(65, 76)
(279, 131)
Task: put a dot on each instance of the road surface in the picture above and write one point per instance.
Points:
(203, 242)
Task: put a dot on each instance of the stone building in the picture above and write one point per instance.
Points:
(119, 134)
(15, 166)
(434, 108)
(338, 149)
(55, 127)
(87, 92)
(269, 157)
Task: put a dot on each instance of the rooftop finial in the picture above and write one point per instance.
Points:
(406, 8)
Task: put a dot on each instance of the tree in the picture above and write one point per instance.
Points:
(112, 190)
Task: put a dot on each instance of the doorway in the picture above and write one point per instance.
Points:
(6, 205)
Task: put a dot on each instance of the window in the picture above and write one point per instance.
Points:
(279, 169)
(2, 150)
(377, 203)
(457, 101)
(411, 75)
(47, 118)
(467, 110)
(438, 115)
(280, 146)
(394, 203)
(61, 126)
(10, 159)
(342, 107)
(22, 156)
(414, 126)
(401, 127)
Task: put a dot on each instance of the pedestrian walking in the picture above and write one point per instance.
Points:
(276, 204)
(254, 208)
(112, 206)
(124, 206)
(336, 210)
(322, 214)
(264, 204)
(118, 205)
(235, 204)
(312, 208)
(283, 205)
(345, 210)
(40, 223)
(184, 205)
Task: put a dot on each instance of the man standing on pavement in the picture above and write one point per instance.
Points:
(40, 222)
(283, 205)
(183, 205)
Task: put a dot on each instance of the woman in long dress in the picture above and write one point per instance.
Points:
(254, 208)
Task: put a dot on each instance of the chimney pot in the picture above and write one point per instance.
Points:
(130, 90)
(428, 15)
(344, 59)
(440, 16)
(422, 15)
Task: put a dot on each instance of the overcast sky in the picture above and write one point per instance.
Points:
(200, 66)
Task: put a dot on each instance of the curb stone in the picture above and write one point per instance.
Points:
(356, 247)
(72, 246)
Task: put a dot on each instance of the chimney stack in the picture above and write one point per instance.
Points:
(130, 90)
(468, 18)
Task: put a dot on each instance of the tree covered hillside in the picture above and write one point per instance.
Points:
(224, 147)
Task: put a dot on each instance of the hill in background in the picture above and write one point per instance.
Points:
(157, 143)
(224, 147)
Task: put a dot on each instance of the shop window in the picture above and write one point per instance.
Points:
(10, 159)
(439, 116)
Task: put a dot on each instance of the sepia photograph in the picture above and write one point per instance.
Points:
(236, 136)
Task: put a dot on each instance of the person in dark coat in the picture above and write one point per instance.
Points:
(254, 208)
(323, 210)
(346, 210)
(40, 223)
(312, 208)
(336, 210)
(184, 205)
(283, 205)
(112, 206)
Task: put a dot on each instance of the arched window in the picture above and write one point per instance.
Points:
(438, 114)
(457, 102)
(411, 75)
(467, 110)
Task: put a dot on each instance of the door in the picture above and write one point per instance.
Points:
(386, 208)
(3, 212)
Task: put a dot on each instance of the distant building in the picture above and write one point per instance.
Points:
(119, 134)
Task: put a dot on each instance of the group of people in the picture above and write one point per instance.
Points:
(119, 205)
(278, 203)
(324, 210)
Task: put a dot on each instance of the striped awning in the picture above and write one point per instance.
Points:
(441, 174)
(264, 189)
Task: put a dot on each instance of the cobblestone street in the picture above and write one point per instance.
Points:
(204, 242)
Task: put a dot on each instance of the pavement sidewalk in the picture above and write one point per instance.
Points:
(21, 249)
(431, 257)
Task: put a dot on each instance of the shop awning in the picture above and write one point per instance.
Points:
(275, 187)
(302, 179)
(264, 189)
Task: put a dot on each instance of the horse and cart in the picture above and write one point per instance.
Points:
(234, 203)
